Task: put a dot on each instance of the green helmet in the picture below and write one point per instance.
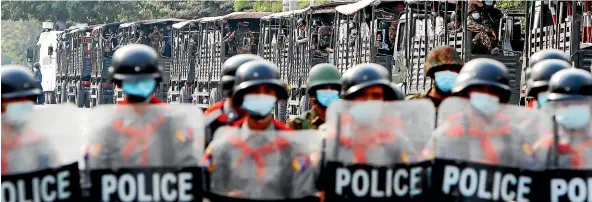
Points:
(442, 56)
(36, 65)
(322, 74)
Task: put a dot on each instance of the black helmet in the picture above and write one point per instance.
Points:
(541, 73)
(569, 84)
(229, 69)
(134, 62)
(484, 72)
(18, 81)
(365, 75)
(547, 54)
(255, 73)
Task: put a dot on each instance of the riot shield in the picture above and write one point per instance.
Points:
(38, 159)
(482, 157)
(371, 150)
(269, 165)
(565, 147)
(145, 153)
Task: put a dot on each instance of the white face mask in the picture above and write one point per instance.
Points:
(366, 113)
(16, 113)
(489, 3)
(476, 16)
(485, 103)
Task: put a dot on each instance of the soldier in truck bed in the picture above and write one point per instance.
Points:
(392, 33)
(482, 21)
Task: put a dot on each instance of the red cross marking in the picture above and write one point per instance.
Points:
(277, 144)
(137, 136)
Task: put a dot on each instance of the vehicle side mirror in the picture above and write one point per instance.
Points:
(30, 54)
(50, 50)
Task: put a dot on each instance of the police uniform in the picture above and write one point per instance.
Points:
(22, 149)
(125, 138)
(257, 165)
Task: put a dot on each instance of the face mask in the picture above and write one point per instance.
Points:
(542, 99)
(445, 80)
(142, 88)
(573, 117)
(366, 113)
(258, 104)
(326, 97)
(16, 112)
(485, 103)
(489, 3)
(476, 16)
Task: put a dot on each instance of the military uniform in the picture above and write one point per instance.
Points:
(308, 120)
(483, 42)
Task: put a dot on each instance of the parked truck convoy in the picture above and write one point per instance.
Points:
(395, 34)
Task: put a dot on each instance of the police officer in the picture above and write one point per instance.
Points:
(22, 151)
(257, 90)
(134, 69)
(485, 82)
(323, 87)
(538, 82)
(442, 66)
(225, 112)
(570, 94)
(38, 79)
(541, 56)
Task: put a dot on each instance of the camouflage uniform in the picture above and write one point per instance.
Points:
(308, 120)
(483, 42)
(392, 35)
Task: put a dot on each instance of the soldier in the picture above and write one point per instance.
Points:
(481, 23)
(323, 87)
(135, 70)
(538, 83)
(302, 36)
(392, 33)
(570, 102)
(442, 66)
(38, 79)
(156, 39)
(22, 150)
(225, 112)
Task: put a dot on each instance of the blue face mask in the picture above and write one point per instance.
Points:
(16, 112)
(476, 16)
(489, 3)
(445, 80)
(542, 99)
(485, 103)
(366, 113)
(326, 97)
(141, 88)
(573, 117)
(258, 104)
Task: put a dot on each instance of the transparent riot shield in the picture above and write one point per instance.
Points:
(565, 148)
(145, 153)
(371, 150)
(270, 165)
(38, 162)
(475, 154)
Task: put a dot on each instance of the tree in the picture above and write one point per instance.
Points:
(17, 37)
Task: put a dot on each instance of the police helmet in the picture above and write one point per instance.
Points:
(484, 72)
(229, 70)
(320, 75)
(254, 73)
(546, 55)
(541, 73)
(570, 84)
(18, 81)
(364, 75)
(134, 62)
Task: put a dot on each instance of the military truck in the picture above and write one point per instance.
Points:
(105, 42)
(423, 27)
(554, 26)
(295, 41)
(215, 42)
(140, 32)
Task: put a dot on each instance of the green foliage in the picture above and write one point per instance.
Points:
(267, 6)
(511, 4)
(17, 36)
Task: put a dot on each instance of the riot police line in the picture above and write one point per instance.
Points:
(373, 146)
